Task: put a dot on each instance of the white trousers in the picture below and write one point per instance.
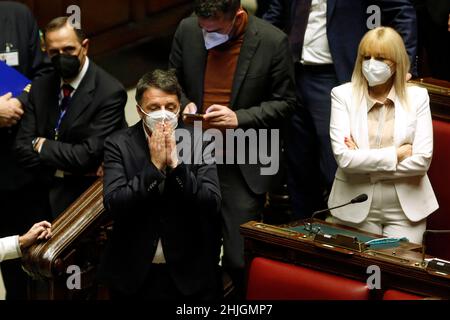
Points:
(386, 216)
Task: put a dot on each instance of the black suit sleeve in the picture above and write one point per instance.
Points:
(83, 156)
(200, 187)
(40, 63)
(26, 156)
(401, 15)
(277, 14)
(121, 194)
(34, 62)
(176, 62)
(282, 101)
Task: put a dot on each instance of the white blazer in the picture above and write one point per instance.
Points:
(360, 169)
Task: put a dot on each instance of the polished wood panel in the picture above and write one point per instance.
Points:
(79, 235)
(439, 92)
(112, 24)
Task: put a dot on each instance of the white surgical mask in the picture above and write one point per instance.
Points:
(214, 39)
(376, 72)
(153, 118)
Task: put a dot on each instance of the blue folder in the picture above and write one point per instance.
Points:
(11, 80)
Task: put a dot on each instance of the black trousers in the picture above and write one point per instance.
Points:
(239, 205)
(311, 163)
(19, 210)
(159, 285)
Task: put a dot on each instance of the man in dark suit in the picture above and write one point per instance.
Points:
(70, 113)
(237, 71)
(19, 34)
(165, 208)
(324, 36)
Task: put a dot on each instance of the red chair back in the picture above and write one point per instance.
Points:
(400, 295)
(274, 280)
(439, 174)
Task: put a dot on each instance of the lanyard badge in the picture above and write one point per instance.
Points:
(9, 56)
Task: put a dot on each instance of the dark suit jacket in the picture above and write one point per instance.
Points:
(95, 111)
(347, 23)
(262, 94)
(181, 207)
(18, 27)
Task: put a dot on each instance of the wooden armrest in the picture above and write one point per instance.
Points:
(82, 220)
(439, 91)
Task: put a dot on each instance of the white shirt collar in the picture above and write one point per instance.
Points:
(75, 83)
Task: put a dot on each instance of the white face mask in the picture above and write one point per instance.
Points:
(214, 39)
(376, 72)
(160, 116)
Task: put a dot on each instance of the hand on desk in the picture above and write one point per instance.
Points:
(39, 231)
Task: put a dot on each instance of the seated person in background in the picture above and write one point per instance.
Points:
(165, 209)
(69, 114)
(382, 139)
(11, 247)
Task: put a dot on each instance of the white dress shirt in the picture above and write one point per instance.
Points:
(316, 49)
(9, 248)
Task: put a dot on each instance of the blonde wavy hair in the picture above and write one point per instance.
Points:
(387, 43)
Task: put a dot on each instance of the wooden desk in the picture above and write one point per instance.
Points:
(401, 267)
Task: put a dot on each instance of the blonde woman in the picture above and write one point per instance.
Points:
(382, 138)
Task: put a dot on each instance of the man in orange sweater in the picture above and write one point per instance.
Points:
(237, 71)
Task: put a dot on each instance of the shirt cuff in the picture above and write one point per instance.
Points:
(12, 248)
(40, 148)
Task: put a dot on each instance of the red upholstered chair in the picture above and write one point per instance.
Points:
(274, 280)
(400, 295)
(439, 174)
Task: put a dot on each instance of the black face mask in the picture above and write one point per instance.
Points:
(66, 65)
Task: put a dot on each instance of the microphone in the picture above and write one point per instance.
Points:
(361, 198)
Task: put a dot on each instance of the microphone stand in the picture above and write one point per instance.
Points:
(309, 224)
